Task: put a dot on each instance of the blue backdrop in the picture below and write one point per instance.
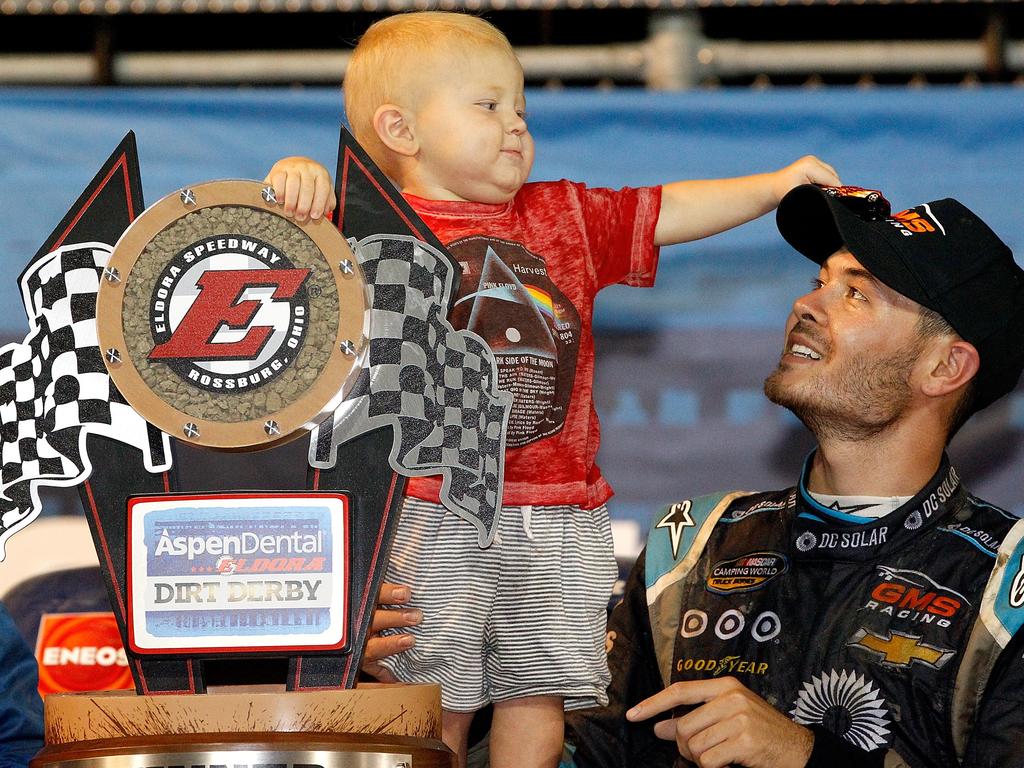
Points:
(680, 365)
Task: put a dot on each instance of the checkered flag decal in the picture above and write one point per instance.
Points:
(54, 388)
(436, 386)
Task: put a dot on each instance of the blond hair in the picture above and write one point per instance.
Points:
(387, 66)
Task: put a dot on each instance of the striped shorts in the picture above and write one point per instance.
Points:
(524, 617)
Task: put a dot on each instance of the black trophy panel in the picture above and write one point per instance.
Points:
(363, 472)
(118, 473)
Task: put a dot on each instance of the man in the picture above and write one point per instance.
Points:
(866, 617)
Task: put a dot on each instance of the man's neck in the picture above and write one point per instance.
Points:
(884, 465)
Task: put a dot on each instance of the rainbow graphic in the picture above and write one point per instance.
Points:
(542, 300)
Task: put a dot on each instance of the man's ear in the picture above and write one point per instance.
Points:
(394, 130)
(953, 364)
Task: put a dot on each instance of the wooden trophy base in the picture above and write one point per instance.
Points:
(371, 726)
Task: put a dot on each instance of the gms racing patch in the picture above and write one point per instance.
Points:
(746, 572)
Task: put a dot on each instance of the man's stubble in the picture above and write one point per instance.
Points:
(861, 398)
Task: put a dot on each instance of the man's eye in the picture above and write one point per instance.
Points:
(489, 105)
(816, 284)
(856, 294)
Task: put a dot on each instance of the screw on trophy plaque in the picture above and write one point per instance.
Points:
(211, 322)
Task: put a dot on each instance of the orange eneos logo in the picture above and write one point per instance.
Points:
(81, 652)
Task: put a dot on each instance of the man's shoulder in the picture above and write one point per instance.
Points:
(679, 531)
(983, 525)
(991, 513)
(721, 507)
(999, 535)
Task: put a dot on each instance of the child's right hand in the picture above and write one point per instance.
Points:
(807, 170)
(304, 186)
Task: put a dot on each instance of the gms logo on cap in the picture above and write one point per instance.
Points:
(914, 221)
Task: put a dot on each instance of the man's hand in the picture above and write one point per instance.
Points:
(377, 646)
(733, 725)
(304, 186)
(806, 170)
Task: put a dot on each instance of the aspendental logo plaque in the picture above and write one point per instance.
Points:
(226, 324)
(238, 573)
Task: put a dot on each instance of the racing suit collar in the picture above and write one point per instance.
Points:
(820, 533)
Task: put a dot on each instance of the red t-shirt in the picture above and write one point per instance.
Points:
(530, 271)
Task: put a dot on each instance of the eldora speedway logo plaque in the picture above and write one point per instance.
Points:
(226, 324)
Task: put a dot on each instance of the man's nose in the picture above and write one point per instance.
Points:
(811, 306)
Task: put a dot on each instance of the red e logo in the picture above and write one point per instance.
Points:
(217, 306)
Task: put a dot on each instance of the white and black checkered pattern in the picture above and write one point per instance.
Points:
(54, 388)
(436, 386)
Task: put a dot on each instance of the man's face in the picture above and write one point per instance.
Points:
(851, 347)
(474, 144)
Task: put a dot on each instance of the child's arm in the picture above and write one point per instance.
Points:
(304, 186)
(691, 210)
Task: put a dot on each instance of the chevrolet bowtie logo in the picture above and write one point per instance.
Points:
(676, 520)
(900, 649)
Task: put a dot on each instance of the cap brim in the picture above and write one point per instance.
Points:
(807, 219)
(817, 225)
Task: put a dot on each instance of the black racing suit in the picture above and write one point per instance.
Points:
(894, 639)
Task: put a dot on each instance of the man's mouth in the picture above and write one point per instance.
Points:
(806, 352)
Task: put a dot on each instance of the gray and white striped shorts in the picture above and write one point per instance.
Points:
(524, 617)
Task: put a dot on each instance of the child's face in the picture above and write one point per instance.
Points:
(473, 140)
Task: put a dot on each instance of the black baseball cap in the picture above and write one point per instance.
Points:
(939, 254)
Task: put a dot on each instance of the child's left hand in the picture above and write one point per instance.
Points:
(807, 170)
(304, 186)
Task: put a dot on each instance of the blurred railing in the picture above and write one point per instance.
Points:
(674, 56)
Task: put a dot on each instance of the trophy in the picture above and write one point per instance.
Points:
(210, 320)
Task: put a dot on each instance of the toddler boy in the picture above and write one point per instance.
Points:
(437, 101)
